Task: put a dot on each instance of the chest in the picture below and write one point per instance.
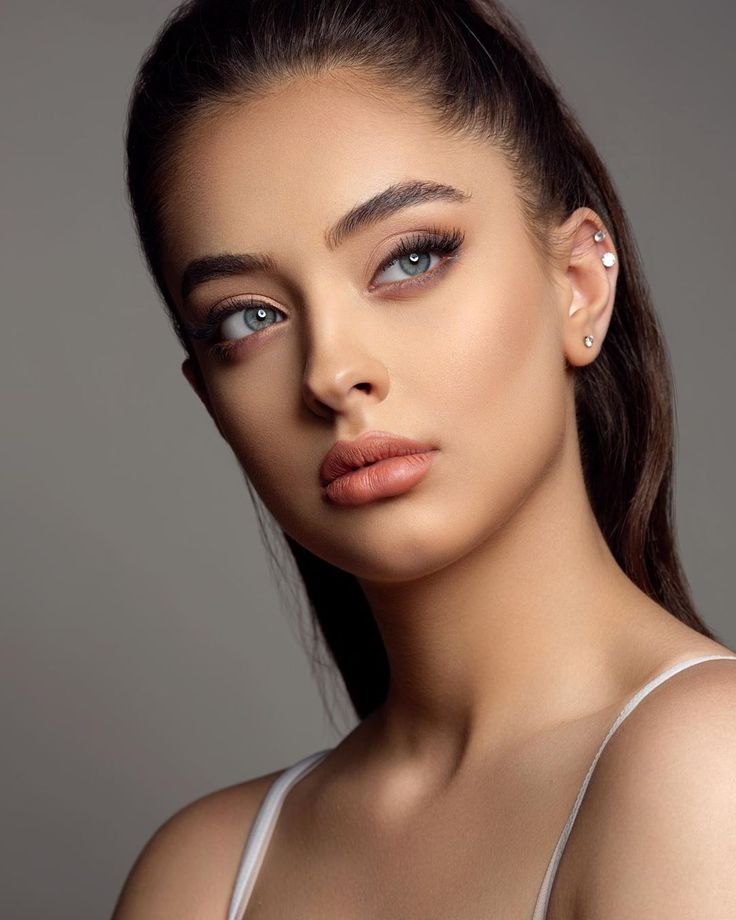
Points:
(475, 856)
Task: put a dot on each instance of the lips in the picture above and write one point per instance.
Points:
(370, 447)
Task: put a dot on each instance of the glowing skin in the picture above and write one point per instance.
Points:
(504, 615)
(490, 580)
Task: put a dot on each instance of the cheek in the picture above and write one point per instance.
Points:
(484, 377)
(502, 402)
(278, 444)
(498, 368)
(257, 411)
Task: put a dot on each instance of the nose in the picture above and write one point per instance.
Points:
(343, 368)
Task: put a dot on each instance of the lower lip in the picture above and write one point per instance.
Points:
(383, 479)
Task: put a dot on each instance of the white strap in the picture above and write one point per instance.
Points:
(540, 910)
(262, 829)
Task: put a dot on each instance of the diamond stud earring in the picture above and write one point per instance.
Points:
(599, 236)
(608, 259)
(588, 341)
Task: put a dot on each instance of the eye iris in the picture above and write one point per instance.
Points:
(415, 263)
(260, 313)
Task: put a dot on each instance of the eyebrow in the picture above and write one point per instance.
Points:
(392, 199)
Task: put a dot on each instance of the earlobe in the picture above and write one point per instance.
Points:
(591, 271)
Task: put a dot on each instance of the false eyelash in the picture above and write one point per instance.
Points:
(208, 327)
(433, 239)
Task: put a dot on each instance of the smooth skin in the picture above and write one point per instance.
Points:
(514, 637)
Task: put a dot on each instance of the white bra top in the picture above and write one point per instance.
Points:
(265, 820)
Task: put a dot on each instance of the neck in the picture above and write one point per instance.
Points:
(537, 625)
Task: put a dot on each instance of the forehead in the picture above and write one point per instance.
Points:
(275, 172)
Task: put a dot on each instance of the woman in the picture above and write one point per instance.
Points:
(412, 305)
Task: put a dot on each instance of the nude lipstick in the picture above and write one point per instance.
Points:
(377, 464)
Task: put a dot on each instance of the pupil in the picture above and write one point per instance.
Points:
(415, 263)
(256, 316)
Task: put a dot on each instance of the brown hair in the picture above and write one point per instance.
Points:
(472, 66)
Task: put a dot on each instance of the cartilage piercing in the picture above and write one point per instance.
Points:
(599, 236)
(608, 259)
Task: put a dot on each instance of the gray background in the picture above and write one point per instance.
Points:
(147, 657)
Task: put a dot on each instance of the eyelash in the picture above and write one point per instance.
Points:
(434, 240)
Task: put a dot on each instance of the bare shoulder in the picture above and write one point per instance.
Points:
(188, 866)
(658, 821)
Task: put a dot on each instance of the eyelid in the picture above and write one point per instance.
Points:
(447, 242)
(221, 310)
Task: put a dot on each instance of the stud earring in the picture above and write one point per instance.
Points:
(599, 236)
(588, 341)
(608, 259)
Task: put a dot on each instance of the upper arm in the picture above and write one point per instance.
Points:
(661, 833)
(188, 866)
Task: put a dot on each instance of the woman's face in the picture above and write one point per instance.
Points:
(471, 360)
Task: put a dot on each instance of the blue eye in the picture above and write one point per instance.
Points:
(413, 254)
(237, 319)
(234, 320)
(415, 263)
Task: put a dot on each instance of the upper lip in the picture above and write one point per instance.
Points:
(369, 447)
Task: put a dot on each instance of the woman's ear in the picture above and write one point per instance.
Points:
(191, 372)
(590, 265)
